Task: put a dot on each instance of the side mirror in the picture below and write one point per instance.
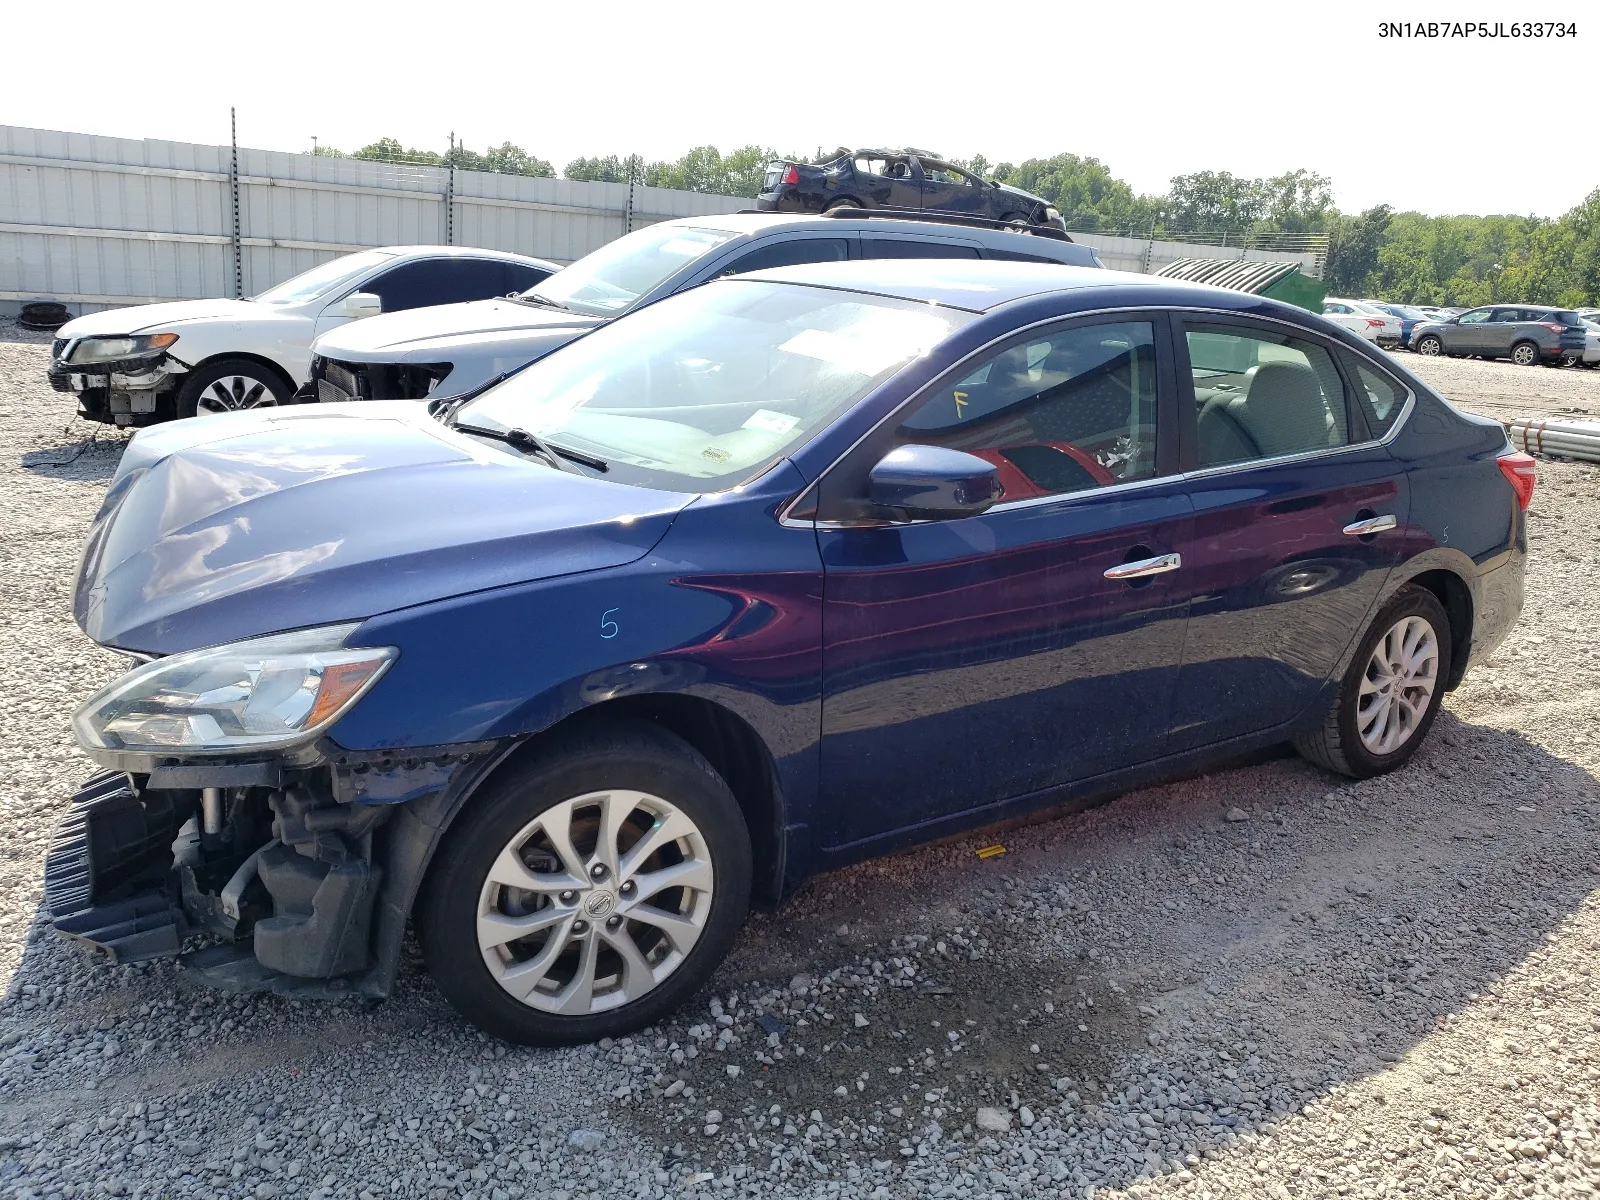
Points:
(930, 483)
(362, 304)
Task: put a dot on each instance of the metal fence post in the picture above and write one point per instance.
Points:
(633, 175)
(233, 188)
(450, 196)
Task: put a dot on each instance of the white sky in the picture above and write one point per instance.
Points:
(1151, 89)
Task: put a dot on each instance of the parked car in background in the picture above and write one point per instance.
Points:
(1527, 334)
(775, 575)
(1591, 345)
(914, 179)
(154, 362)
(1363, 320)
(1409, 317)
(444, 352)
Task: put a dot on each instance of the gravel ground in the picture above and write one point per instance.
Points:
(1262, 981)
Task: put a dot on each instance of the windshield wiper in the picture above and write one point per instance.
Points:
(532, 443)
(530, 298)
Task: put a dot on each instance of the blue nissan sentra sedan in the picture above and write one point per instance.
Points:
(777, 574)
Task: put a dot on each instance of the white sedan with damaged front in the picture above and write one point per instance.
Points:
(184, 358)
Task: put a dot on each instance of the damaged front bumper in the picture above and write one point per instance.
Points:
(294, 876)
(130, 392)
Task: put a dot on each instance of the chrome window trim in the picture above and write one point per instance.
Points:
(1330, 344)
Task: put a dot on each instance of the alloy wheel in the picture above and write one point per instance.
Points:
(1523, 354)
(1428, 346)
(1398, 685)
(594, 902)
(232, 393)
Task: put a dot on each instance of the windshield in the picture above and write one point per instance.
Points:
(323, 278)
(708, 388)
(604, 283)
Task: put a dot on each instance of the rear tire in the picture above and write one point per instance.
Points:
(1525, 354)
(612, 952)
(1381, 715)
(836, 205)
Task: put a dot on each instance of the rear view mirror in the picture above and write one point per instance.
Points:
(929, 483)
(362, 304)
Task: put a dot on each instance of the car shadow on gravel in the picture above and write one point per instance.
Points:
(1182, 965)
(1148, 961)
(92, 458)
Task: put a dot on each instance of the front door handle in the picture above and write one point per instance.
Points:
(1141, 568)
(1371, 525)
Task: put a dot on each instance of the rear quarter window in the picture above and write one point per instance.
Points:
(1380, 398)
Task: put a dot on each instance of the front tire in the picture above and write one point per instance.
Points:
(588, 892)
(231, 385)
(1430, 347)
(1390, 696)
(836, 205)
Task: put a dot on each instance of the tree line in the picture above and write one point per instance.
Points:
(1407, 257)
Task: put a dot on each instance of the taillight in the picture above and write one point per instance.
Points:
(792, 175)
(1553, 327)
(1376, 322)
(1519, 470)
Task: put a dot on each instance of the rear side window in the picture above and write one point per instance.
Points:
(1064, 412)
(872, 247)
(789, 254)
(1261, 395)
(1381, 399)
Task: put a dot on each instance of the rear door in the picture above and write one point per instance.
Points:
(968, 662)
(1503, 330)
(1299, 515)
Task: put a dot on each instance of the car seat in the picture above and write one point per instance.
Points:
(1283, 410)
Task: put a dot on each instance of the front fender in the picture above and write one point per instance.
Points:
(726, 608)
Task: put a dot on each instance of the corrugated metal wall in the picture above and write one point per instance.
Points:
(1140, 254)
(97, 222)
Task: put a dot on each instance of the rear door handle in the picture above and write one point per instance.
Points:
(1139, 569)
(1371, 525)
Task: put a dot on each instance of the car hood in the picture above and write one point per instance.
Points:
(232, 526)
(155, 317)
(1015, 191)
(395, 334)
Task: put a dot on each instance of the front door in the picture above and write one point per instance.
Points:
(1299, 515)
(949, 190)
(968, 662)
(1470, 332)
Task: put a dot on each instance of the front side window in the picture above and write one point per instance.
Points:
(1334, 308)
(604, 283)
(1476, 317)
(432, 281)
(1262, 395)
(1061, 412)
(709, 387)
(792, 252)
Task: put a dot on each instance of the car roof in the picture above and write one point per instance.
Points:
(461, 252)
(753, 224)
(980, 285)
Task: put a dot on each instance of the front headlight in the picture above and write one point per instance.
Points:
(102, 350)
(1052, 213)
(263, 694)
